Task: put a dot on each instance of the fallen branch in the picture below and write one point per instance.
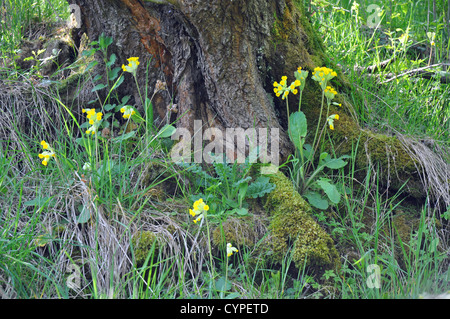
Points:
(422, 72)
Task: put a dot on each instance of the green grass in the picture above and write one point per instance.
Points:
(19, 17)
(410, 105)
(58, 221)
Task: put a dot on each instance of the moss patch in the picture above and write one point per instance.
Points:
(294, 229)
(144, 243)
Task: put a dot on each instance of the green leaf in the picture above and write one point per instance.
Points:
(136, 117)
(38, 201)
(220, 284)
(307, 151)
(166, 131)
(316, 200)
(125, 100)
(96, 78)
(118, 83)
(113, 74)
(231, 203)
(84, 216)
(298, 128)
(260, 187)
(242, 192)
(91, 65)
(330, 189)
(241, 211)
(104, 42)
(98, 87)
(112, 60)
(323, 156)
(335, 163)
(109, 107)
(124, 137)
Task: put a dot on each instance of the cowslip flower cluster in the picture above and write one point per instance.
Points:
(200, 209)
(323, 75)
(330, 92)
(301, 75)
(94, 120)
(133, 63)
(231, 250)
(283, 89)
(48, 154)
(331, 119)
(127, 111)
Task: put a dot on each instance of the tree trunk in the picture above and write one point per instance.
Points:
(220, 59)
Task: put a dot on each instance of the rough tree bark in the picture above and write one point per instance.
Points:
(219, 60)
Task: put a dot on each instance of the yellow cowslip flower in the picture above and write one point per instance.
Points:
(45, 156)
(198, 219)
(331, 119)
(132, 65)
(198, 203)
(323, 75)
(330, 93)
(94, 120)
(281, 88)
(44, 144)
(231, 250)
(127, 111)
(199, 208)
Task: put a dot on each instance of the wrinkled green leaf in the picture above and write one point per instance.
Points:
(260, 187)
(298, 128)
(330, 189)
(316, 200)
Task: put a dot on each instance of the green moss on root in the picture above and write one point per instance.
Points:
(293, 229)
